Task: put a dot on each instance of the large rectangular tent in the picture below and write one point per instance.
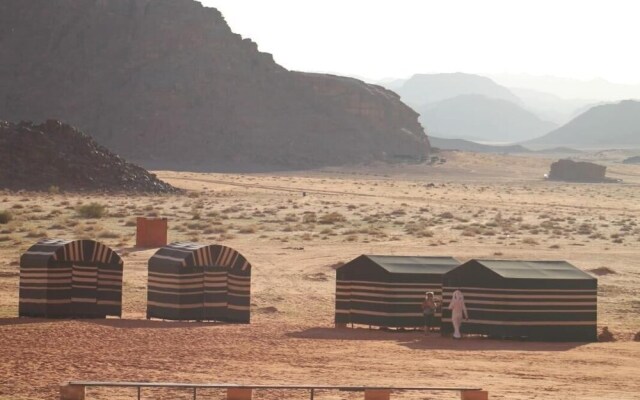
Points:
(540, 300)
(388, 291)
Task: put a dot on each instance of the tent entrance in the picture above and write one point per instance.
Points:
(84, 290)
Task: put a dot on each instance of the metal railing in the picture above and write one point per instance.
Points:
(311, 388)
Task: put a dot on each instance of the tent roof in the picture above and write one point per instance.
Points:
(188, 254)
(520, 269)
(414, 264)
(65, 250)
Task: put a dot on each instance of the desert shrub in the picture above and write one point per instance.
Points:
(446, 215)
(5, 217)
(108, 235)
(530, 241)
(309, 218)
(291, 218)
(247, 229)
(92, 210)
(332, 218)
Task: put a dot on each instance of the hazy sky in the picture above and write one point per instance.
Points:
(377, 39)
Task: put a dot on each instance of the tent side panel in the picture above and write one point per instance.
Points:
(110, 289)
(215, 294)
(361, 287)
(239, 296)
(174, 292)
(45, 289)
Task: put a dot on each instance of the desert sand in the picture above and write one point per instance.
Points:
(471, 206)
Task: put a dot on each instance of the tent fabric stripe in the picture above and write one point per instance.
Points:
(191, 281)
(70, 278)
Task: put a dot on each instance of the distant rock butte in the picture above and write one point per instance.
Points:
(577, 171)
(53, 154)
(167, 83)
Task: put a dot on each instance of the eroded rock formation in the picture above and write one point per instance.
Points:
(167, 83)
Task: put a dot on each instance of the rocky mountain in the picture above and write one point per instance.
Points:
(478, 117)
(167, 83)
(423, 89)
(604, 126)
(38, 157)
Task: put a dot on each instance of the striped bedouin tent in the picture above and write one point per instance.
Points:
(388, 291)
(191, 281)
(70, 278)
(538, 300)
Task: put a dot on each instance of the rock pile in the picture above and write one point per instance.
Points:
(56, 155)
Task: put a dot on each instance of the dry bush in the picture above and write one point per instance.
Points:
(91, 210)
(5, 217)
(35, 233)
(291, 217)
(530, 241)
(331, 218)
(309, 217)
(248, 229)
(108, 235)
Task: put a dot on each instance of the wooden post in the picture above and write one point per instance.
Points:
(72, 392)
(474, 395)
(377, 394)
(238, 394)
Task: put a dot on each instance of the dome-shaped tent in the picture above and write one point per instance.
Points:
(191, 281)
(70, 278)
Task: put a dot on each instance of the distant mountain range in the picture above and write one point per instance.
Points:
(481, 118)
(608, 125)
(469, 106)
(476, 108)
(423, 89)
(599, 89)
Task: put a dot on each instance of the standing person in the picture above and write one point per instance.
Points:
(458, 311)
(429, 307)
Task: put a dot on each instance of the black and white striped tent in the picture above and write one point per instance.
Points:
(540, 300)
(388, 290)
(70, 278)
(191, 281)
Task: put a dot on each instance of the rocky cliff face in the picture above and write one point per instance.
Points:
(167, 83)
(38, 157)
